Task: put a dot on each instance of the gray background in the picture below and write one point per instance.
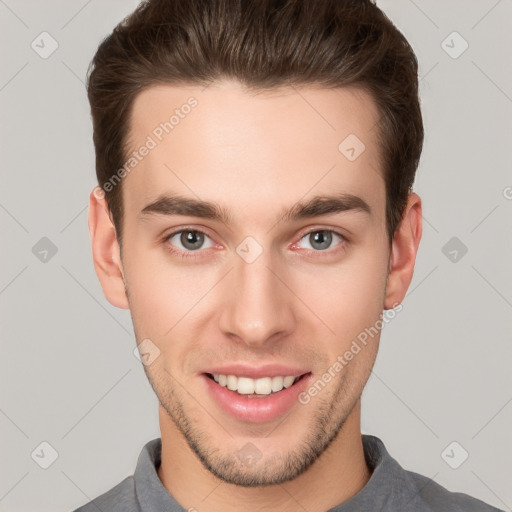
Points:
(68, 373)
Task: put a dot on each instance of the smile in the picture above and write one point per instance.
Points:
(262, 386)
(255, 400)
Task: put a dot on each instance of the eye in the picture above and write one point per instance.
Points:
(322, 239)
(185, 242)
(190, 239)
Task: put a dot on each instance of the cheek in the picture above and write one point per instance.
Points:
(347, 297)
(171, 303)
(160, 293)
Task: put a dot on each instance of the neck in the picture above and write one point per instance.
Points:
(337, 475)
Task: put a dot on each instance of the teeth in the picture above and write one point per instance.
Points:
(247, 386)
(288, 381)
(232, 382)
(263, 386)
(277, 383)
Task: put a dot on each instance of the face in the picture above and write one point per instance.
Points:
(270, 282)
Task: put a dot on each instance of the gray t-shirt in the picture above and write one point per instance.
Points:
(390, 488)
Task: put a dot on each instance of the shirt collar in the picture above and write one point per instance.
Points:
(389, 486)
(151, 493)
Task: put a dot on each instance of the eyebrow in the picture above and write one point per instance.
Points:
(314, 207)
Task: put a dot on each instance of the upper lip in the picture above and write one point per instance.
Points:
(270, 370)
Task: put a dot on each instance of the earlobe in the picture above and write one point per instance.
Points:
(404, 248)
(106, 251)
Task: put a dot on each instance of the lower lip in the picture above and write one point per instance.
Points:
(256, 409)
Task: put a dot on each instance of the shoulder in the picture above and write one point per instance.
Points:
(437, 497)
(120, 498)
(391, 487)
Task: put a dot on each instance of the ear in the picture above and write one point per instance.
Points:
(404, 248)
(106, 251)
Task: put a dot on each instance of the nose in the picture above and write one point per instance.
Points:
(259, 304)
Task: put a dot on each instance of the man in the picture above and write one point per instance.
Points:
(255, 213)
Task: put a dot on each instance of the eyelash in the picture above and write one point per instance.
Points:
(196, 254)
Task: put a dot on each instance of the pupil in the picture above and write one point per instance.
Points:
(322, 238)
(192, 237)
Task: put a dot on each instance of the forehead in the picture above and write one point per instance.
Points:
(231, 145)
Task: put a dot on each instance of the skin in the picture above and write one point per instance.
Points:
(256, 154)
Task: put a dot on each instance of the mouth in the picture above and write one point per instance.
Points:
(255, 388)
(255, 400)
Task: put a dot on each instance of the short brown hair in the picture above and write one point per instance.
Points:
(264, 44)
